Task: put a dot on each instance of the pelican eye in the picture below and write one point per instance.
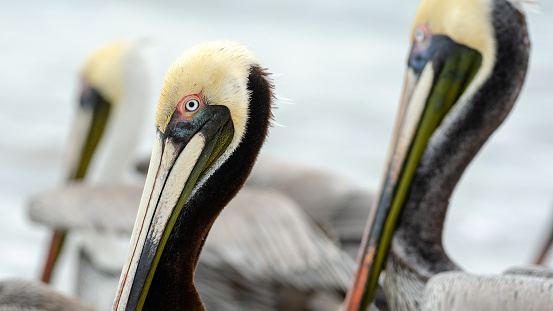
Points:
(419, 35)
(192, 105)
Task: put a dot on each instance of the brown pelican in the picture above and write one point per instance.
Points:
(212, 119)
(113, 96)
(466, 67)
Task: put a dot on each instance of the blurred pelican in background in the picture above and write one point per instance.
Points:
(114, 95)
(467, 64)
(112, 103)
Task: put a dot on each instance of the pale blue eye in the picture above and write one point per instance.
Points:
(192, 105)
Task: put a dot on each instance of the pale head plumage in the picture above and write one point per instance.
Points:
(467, 22)
(104, 70)
(220, 71)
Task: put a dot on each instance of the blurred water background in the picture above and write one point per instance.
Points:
(342, 64)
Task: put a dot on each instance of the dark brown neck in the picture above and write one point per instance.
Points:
(418, 238)
(172, 287)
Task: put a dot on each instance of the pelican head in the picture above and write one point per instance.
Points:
(212, 118)
(113, 90)
(466, 66)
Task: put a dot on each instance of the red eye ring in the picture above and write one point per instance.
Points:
(190, 104)
(422, 35)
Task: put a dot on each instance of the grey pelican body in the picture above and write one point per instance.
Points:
(236, 270)
(24, 295)
(245, 245)
(466, 67)
(336, 203)
(509, 292)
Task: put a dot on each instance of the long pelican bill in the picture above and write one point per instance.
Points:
(89, 125)
(179, 161)
(438, 74)
(91, 119)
